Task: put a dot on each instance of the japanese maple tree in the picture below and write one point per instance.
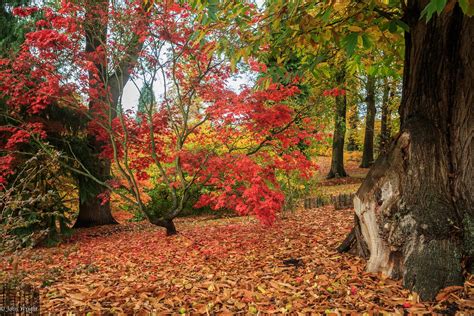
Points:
(197, 137)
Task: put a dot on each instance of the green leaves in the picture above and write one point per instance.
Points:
(432, 7)
(467, 7)
(438, 6)
(350, 42)
(212, 9)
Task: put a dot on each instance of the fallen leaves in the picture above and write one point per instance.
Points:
(221, 266)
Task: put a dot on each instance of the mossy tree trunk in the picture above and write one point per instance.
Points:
(416, 205)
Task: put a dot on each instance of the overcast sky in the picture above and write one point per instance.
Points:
(131, 93)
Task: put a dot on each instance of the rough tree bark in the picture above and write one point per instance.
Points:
(337, 160)
(91, 211)
(385, 128)
(368, 151)
(416, 205)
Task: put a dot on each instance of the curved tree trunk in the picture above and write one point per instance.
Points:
(416, 206)
(368, 151)
(167, 224)
(337, 159)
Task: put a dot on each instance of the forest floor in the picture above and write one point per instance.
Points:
(220, 265)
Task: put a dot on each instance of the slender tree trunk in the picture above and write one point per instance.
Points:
(368, 151)
(416, 205)
(352, 144)
(385, 130)
(337, 160)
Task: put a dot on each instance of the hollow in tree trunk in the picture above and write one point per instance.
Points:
(416, 205)
(337, 159)
(368, 151)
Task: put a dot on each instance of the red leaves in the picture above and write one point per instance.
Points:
(24, 11)
(242, 141)
(334, 92)
(18, 137)
(6, 167)
(104, 197)
(46, 39)
(22, 134)
(232, 262)
(353, 290)
(257, 66)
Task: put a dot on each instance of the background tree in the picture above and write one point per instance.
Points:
(354, 121)
(146, 100)
(11, 31)
(337, 157)
(113, 76)
(368, 147)
(385, 121)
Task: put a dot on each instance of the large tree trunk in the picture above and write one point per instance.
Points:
(368, 151)
(96, 35)
(337, 160)
(416, 206)
(91, 211)
(385, 128)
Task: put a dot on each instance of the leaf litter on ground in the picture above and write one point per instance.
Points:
(229, 265)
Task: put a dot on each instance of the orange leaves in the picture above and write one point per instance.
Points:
(220, 265)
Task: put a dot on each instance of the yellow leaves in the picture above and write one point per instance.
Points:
(313, 12)
(261, 289)
(200, 36)
(355, 28)
(374, 32)
(340, 5)
(253, 309)
(280, 59)
(326, 35)
(211, 287)
(148, 4)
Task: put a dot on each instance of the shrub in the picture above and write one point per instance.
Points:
(32, 208)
